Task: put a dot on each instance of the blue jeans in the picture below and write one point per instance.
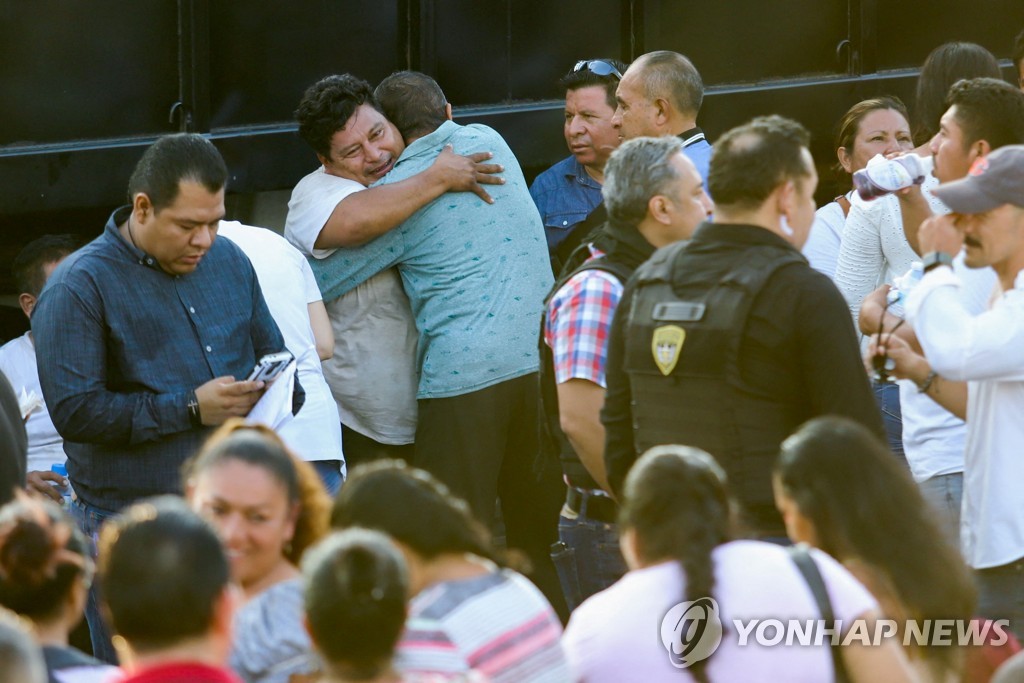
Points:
(330, 475)
(887, 396)
(944, 493)
(587, 557)
(89, 520)
(1001, 594)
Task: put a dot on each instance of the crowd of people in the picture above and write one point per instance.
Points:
(658, 392)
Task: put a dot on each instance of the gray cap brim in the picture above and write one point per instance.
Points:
(966, 196)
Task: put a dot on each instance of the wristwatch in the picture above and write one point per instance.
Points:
(194, 416)
(934, 259)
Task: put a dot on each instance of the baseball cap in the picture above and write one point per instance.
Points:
(993, 180)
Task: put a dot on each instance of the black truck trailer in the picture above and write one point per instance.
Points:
(86, 85)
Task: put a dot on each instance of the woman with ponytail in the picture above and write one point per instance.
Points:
(466, 611)
(677, 535)
(45, 573)
(267, 506)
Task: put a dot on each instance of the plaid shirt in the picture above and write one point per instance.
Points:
(579, 319)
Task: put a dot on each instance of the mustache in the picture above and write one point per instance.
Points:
(971, 242)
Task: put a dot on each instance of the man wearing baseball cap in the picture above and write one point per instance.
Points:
(975, 366)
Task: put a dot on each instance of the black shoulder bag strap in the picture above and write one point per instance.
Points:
(809, 569)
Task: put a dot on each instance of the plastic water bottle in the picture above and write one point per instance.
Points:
(884, 176)
(901, 286)
(66, 491)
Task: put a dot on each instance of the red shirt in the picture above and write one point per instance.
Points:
(182, 672)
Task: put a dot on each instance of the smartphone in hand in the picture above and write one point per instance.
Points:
(270, 366)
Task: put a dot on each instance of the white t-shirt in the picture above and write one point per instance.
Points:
(373, 372)
(18, 363)
(822, 246)
(289, 287)
(615, 635)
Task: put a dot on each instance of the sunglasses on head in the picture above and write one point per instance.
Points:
(598, 67)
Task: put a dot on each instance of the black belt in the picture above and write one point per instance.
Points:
(600, 508)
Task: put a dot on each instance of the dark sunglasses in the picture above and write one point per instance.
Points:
(598, 67)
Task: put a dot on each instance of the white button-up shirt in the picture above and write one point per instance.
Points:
(987, 351)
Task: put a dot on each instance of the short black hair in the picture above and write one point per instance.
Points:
(28, 265)
(356, 589)
(988, 109)
(413, 102)
(326, 107)
(751, 160)
(162, 571)
(172, 159)
(584, 78)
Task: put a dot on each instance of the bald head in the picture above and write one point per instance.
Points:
(660, 94)
(671, 76)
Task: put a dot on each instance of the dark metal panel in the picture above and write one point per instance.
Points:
(745, 41)
(192, 111)
(471, 50)
(908, 30)
(542, 51)
(265, 55)
(72, 70)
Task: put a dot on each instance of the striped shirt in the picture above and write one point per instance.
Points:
(498, 624)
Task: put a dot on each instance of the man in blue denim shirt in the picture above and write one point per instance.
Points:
(567, 192)
(141, 333)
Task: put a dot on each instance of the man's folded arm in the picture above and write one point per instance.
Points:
(71, 348)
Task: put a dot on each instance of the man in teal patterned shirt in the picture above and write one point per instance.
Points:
(476, 275)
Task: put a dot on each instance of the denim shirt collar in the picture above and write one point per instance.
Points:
(579, 172)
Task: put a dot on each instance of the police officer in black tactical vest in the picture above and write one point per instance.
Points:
(730, 341)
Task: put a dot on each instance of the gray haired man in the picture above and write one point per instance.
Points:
(654, 197)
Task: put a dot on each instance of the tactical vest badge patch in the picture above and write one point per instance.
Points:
(666, 346)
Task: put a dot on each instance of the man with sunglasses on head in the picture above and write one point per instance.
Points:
(660, 94)
(567, 192)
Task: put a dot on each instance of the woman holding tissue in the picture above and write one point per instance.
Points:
(268, 508)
